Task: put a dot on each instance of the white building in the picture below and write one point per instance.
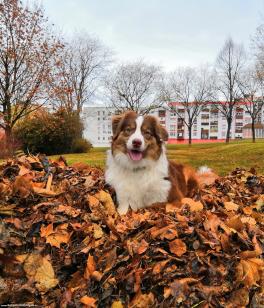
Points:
(210, 125)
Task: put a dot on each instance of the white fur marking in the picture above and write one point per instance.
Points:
(137, 135)
(204, 169)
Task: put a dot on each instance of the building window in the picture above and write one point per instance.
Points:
(162, 113)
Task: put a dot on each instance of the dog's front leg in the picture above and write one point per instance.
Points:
(123, 203)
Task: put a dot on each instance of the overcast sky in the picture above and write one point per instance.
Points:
(169, 33)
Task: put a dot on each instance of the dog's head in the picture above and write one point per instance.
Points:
(137, 138)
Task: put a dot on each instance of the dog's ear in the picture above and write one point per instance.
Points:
(161, 132)
(116, 127)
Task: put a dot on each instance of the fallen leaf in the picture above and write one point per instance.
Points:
(117, 304)
(249, 271)
(143, 246)
(177, 247)
(142, 301)
(40, 270)
(107, 202)
(195, 206)
(89, 302)
(56, 237)
(98, 232)
(231, 206)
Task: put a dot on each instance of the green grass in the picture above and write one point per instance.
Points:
(222, 157)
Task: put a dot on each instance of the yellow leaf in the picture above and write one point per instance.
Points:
(107, 202)
(40, 270)
(117, 304)
(98, 232)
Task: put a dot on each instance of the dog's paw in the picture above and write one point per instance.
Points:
(122, 209)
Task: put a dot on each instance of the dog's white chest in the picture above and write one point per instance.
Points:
(139, 186)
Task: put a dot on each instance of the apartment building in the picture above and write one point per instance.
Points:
(210, 125)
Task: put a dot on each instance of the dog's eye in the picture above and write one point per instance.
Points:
(127, 130)
(147, 134)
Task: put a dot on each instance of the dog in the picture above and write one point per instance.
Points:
(137, 166)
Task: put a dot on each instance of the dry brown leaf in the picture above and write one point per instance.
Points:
(248, 220)
(212, 223)
(56, 237)
(40, 270)
(142, 301)
(97, 231)
(177, 247)
(158, 267)
(173, 207)
(107, 202)
(143, 246)
(93, 201)
(23, 170)
(68, 210)
(195, 206)
(90, 267)
(169, 232)
(44, 192)
(247, 210)
(179, 288)
(15, 221)
(235, 223)
(231, 206)
(22, 186)
(249, 271)
(89, 302)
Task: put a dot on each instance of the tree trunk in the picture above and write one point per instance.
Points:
(253, 131)
(229, 122)
(190, 135)
(9, 140)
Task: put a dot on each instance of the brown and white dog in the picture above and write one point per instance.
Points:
(138, 168)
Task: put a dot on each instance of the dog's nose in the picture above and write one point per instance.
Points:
(136, 143)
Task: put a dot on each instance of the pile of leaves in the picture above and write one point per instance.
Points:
(63, 244)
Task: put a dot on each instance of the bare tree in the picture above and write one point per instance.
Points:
(27, 48)
(251, 86)
(191, 89)
(134, 86)
(82, 65)
(229, 66)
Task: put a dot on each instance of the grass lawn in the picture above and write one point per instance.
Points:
(222, 157)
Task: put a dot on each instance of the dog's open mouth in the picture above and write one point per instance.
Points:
(135, 155)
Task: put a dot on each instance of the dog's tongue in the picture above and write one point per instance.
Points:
(135, 155)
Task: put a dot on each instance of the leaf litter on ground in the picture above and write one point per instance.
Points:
(63, 244)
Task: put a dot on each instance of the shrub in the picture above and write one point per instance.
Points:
(49, 133)
(81, 145)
